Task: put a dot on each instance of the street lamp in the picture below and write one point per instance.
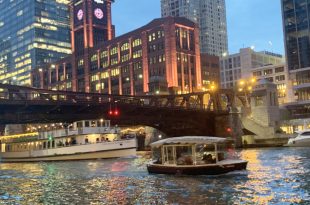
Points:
(246, 86)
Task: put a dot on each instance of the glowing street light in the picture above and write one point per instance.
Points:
(246, 86)
(212, 87)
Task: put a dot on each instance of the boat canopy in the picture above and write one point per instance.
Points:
(188, 140)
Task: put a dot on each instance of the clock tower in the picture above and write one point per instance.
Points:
(91, 24)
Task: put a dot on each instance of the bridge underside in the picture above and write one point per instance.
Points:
(175, 115)
(168, 120)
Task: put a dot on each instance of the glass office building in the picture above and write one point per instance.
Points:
(296, 21)
(297, 33)
(32, 34)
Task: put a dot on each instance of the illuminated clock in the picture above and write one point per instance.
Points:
(98, 13)
(80, 14)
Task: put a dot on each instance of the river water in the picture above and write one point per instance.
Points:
(274, 176)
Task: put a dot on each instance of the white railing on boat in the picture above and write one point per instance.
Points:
(79, 131)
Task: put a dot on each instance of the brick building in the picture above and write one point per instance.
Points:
(160, 57)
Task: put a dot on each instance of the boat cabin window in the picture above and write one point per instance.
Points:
(305, 134)
(93, 123)
(79, 124)
(205, 154)
(184, 155)
(156, 155)
(44, 145)
(86, 123)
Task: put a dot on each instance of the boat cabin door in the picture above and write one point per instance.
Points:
(169, 153)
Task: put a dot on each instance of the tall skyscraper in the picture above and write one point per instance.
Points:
(296, 20)
(32, 33)
(210, 15)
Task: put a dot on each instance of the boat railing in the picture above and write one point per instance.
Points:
(78, 131)
(70, 144)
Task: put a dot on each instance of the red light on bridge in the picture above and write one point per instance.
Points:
(114, 113)
(229, 130)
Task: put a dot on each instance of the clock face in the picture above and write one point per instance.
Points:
(98, 13)
(80, 14)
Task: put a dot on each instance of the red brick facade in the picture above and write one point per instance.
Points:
(160, 57)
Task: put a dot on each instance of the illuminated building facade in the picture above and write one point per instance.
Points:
(91, 25)
(160, 57)
(32, 33)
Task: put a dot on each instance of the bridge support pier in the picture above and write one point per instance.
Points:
(230, 126)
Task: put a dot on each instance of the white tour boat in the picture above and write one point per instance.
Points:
(194, 155)
(88, 139)
(302, 139)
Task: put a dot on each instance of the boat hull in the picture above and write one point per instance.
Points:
(299, 143)
(213, 169)
(79, 152)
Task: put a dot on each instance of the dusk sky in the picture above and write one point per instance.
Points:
(250, 22)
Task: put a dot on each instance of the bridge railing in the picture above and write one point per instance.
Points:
(192, 101)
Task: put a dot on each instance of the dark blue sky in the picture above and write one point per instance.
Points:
(250, 22)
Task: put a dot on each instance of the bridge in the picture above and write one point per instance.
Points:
(186, 114)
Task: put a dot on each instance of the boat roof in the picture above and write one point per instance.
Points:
(302, 131)
(188, 140)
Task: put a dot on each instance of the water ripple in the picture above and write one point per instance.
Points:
(274, 176)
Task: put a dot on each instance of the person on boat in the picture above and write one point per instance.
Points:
(208, 158)
(60, 144)
(73, 141)
(67, 143)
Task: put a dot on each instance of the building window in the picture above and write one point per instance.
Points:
(280, 78)
(136, 42)
(104, 54)
(257, 73)
(137, 54)
(113, 51)
(268, 72)
(125, 47)
(279, 69)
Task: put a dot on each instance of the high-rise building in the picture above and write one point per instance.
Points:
(296, 20)
(32, 33)
(240, 65)
(210, 15)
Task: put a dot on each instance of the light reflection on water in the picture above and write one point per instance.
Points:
(274, 176)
